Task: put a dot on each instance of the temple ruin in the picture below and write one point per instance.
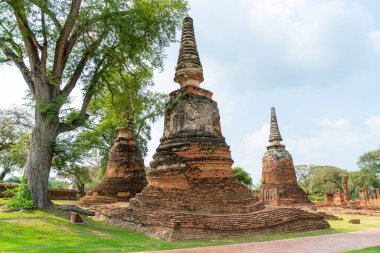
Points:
(192, 192)
(125, 172)
(279, 186)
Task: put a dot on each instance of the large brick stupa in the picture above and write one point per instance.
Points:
(192, 192)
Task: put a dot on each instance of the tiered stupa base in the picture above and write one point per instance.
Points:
(175, 226)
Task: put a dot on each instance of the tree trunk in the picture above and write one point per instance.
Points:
(3, 174)
(38, 164)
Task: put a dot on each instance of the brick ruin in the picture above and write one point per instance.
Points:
(54, 194)
(369, 198)
(125, 172)
(279, 187)
(192, 192)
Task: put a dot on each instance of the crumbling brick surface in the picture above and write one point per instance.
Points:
(124, 176)
(279, 187)
(63, 194)
(54, 194)
(192, 192)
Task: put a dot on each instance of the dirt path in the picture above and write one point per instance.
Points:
(313, 244)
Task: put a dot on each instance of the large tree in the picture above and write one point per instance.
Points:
(60, 45)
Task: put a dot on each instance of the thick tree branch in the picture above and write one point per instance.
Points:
(45, 8)
(71, 83)
(62, 41)
(19, 63)
(30, 40)
(82, 116)
(45, 45)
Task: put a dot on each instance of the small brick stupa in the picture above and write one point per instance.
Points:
(125, 172)
(192, 192)
(279, 187)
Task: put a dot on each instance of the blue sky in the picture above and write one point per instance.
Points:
(317, 62)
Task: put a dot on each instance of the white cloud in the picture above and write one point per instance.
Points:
(375, 38)
(254, 148)
(337, 124)
(373, 122)
(311, 40)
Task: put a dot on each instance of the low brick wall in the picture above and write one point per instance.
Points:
(63, 194)
(54, 194)
(4, 187)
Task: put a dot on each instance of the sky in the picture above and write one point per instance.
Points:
(316, 61)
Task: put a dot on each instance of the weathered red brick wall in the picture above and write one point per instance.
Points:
(279, 187)
(63, 194)
(54, 194)
(4, 187)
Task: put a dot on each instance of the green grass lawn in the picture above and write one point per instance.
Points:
(38, 231)
(366, 250)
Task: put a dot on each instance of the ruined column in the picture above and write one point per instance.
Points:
(278, 170)
(346, 195)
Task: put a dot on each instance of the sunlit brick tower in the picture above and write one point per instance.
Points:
(125, 172)
(279, 187)
(192, 192)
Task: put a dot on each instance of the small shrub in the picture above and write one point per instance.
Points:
(21, 198)
(316, 197)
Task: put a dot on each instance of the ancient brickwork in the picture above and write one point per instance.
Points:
(4, 187)
(63, 194)
(279, 187)
(369, 199)
(192, 192)
(54, 194)
(125, 173)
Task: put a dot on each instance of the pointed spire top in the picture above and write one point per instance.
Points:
(189, 68)
(274, 136)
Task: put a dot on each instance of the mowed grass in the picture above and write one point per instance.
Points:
(366, 250)
(38, 231)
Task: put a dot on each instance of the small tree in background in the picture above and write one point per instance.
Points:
(243, 176)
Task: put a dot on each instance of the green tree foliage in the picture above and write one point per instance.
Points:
(364, 179)
(326, 179)
(304, 174)
(21, 198)
(62, 45)
(370, 161)
(242, 176)
(15, 135)
(55, 183)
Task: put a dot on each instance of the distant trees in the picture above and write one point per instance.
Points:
(370, 161)
(315, 179)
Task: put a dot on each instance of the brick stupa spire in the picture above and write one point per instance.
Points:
(125, 172)
(274, 136)
(189, 68)
(279, 187)
(192, 192)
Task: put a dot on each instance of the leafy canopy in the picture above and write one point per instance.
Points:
(67, 43)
